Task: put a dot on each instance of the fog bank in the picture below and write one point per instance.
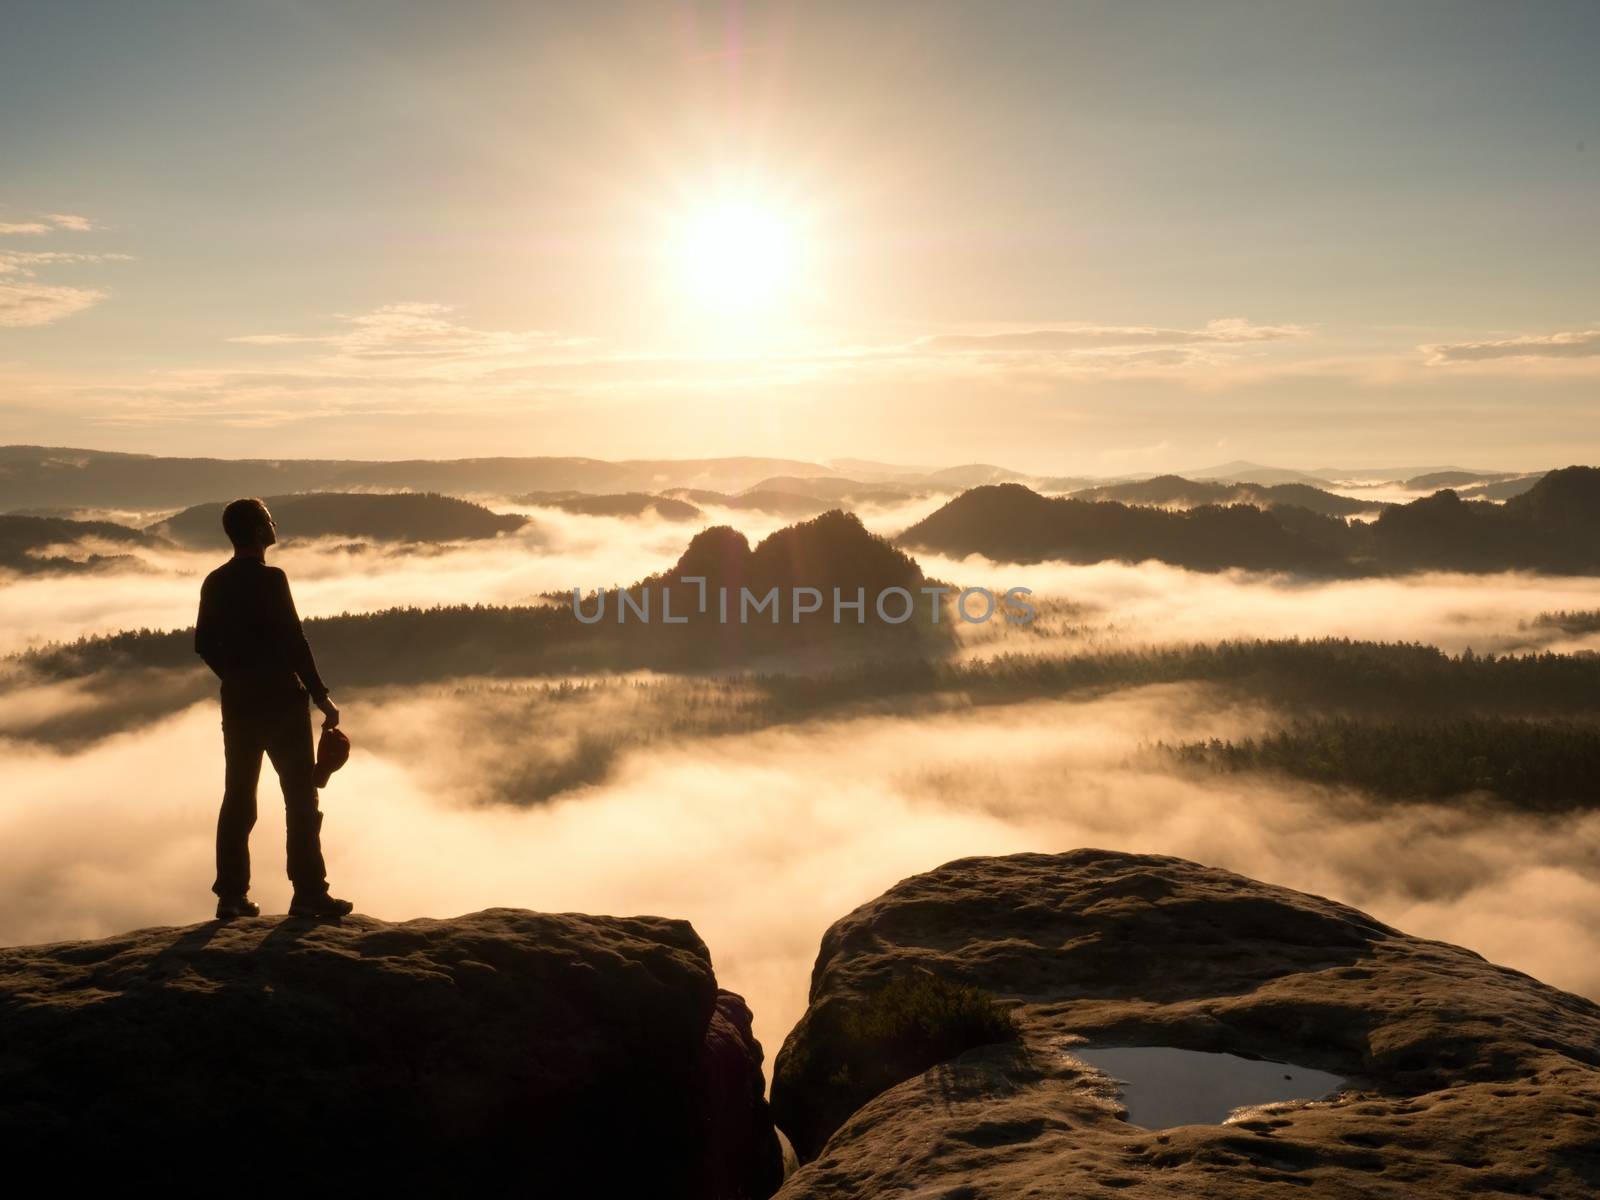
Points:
(763, 839)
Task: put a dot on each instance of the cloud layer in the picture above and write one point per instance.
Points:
(1583, 343)
(1115, 602)
(1068, 338)
(763, 840)
(27, 304)
(72, 222)
(24, 302)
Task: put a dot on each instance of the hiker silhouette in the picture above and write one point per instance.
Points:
(249, 634)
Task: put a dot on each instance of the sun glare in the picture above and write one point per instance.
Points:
(738, 255)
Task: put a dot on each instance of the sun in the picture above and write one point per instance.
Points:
(738, 254)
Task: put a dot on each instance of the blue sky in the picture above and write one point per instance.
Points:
(1064, 236)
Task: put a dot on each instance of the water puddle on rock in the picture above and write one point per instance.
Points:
(1163, 1087)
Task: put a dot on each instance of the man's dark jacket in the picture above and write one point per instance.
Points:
(249, 634)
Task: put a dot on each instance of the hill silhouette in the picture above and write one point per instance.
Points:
(828, 551)
(969, 475)
(1010, 522)
(1174, 490)
(836, 490)
(1502, 489)
(795, 505)
(384, 517)
(1434, 480)
(832, 555)
(1240, 471)
(619, 504)
(1564, 503)
(1549, 765)
(1445, 532)
(36, 545)
(1554, 526)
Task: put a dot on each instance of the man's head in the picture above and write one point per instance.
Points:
(249, 525)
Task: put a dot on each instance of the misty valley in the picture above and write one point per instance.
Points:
(1386, 692)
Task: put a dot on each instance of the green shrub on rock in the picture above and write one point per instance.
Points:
(913, 1022)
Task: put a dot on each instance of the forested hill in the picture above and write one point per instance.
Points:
(1554, 526)
(387, 517)
(31, 545)
(1176, 491)
(620, 504)
(1009, 522)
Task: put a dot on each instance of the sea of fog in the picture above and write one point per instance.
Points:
(762, 839)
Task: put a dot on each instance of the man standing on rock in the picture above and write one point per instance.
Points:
(249, 634)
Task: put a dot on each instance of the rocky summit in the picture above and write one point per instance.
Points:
(556, 1054)
(1072, 1025)
(936, 1058)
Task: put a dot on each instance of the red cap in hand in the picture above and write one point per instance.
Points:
(333, 751)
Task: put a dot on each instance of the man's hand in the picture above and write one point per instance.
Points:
(330, 711)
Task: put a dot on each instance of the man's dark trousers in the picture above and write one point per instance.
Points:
(279, 725)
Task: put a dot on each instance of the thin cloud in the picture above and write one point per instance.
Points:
(273, 339)
(25, 305)
(1079, 337)
(1583, 343)
(30, 304)
(72, 222)
(413, 331)
(24, 262)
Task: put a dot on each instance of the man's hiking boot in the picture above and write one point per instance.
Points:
(320, 905)
(230, 907)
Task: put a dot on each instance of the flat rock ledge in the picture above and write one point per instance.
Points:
(563, 1054)
(1464, 1078)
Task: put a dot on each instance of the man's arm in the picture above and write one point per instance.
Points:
(298, 652)
(207, 638)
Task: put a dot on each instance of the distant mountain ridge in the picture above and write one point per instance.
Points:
(1174, 490)
(835, 490)
(1554, 526)
(53, 477)
(43, 476)
(1240, 471)
(379, 516)
(1501, 489)
(1453, 478)
(621, 504)
(758, 499)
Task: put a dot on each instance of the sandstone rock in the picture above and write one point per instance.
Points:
(564, 1054)
(1465, 1078)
